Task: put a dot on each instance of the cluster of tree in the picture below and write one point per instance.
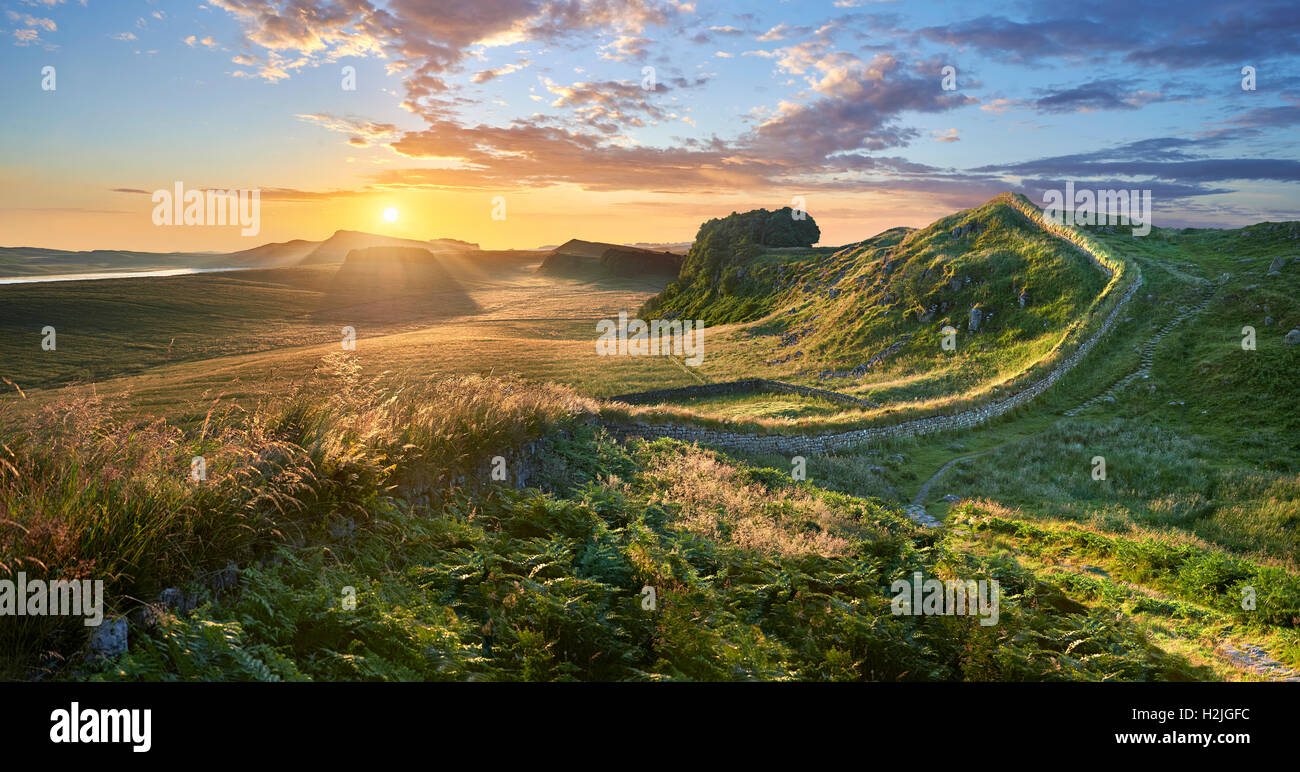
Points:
(783, 228)
(715, 265)
(732, 239)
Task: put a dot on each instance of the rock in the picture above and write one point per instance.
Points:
(950, 498)
(1268, 321)
(954, 284)
(1292, 338)
(170, 599)
(225, 579)
(976, 316)
(1024, 297)
(1275, 266)
(173, 599)
(109, 640)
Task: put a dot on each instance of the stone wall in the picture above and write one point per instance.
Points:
(825, 443)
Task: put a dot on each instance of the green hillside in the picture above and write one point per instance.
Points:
(869, 318)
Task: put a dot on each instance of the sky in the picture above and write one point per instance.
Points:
(521, 123)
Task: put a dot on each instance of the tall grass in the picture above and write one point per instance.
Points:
(86, 493)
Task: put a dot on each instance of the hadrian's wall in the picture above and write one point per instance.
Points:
(825, 443)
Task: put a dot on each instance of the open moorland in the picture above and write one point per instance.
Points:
(450, 493)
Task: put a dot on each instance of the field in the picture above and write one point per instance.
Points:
(164, 347)
(350, 528)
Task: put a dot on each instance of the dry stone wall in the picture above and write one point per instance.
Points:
(826, 443)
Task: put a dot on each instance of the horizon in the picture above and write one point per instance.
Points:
(547, 247)
(623, 119)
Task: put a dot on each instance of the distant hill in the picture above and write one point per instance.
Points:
(384, 268)
(673, 246)
(594, 259)
(335, 249)
(580, 248)
(277, 253)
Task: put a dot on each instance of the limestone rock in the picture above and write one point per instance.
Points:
(109, 640)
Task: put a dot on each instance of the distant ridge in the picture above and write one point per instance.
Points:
(577, 245)
(576, 257)
(336, 248)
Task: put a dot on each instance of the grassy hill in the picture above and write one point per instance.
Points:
(367, 476)
(868, 319)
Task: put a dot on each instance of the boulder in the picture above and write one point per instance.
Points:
(1292, 338)
(109, 640)
(1275, 266)
(976, 316)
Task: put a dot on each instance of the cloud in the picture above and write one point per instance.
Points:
(1196, 34)
(1110, 94)
(625, 47)
(999, 106)
(1029, 41)
(847, 108)
(362, 133)
(1176, 166)
(34, 22)
(611, 106)
(483, 76)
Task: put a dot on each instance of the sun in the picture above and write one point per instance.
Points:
(390, 214)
